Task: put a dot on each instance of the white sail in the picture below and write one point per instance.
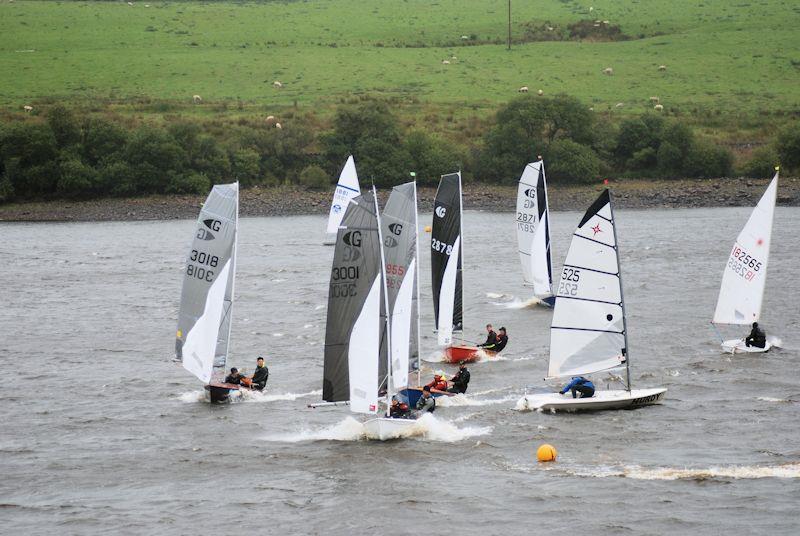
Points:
(587, 333)
(200, 345)
(447, 297)
(533, 230)
(346, 189)
(745, 273)
(401, 326)
(364, 351)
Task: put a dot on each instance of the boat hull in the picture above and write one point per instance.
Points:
(737, 346)
(602, 400)
(467, 354)
(384, 428)
(220, 392)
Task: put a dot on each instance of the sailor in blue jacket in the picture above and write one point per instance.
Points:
(581, 385)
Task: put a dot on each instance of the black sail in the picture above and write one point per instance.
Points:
(356, 265)
(446, 233)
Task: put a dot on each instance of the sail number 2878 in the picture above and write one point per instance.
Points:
(441, 247)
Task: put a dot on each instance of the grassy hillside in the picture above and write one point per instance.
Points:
(733, 59)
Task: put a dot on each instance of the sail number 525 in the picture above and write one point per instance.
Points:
(568, 286)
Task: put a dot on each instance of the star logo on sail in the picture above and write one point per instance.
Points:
(597, 229)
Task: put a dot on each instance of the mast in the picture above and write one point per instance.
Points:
(233, 277)
(416, 282)
(621, 295)
(387, 327)
(461, 245)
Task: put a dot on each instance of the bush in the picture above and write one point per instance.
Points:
(761, 163)
(155, 158)
(431, 157)
(245, 166)
(188, 183)
(636, 134)
(706, 160)
(101, 140)
(65, 128)
(314, 178)
(571, 162)
(526, 127)
(29, 155)
(788, 146)
(671, 160)
(76, 178)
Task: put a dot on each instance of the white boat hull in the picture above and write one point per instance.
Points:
(737, 346)
(384, 428)
(602, 400)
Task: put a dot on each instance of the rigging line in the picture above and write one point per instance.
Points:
(590, 300)
(591, 269)
(590, 329)
(595, 241)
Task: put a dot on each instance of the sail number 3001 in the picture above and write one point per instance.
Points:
(568, 286)
(201, 272)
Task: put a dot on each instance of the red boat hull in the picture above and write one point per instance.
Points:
(468, 354)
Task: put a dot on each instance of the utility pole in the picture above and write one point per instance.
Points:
(509, 24)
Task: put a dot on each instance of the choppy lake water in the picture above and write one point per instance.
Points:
(103, 433)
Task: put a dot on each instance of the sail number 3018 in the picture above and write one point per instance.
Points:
(201, 272)
(568, 286)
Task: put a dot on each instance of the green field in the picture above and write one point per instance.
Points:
(737, 59)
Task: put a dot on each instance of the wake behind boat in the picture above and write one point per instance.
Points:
(588, 333)
(745, 275)
(204, 318)
(533, 232)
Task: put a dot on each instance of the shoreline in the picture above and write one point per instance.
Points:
(288, 201)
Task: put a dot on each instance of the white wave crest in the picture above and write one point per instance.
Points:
(788, 470)
(775, 341)
(190, 397)
(517, 303)
(436, 357)
(771, 399)
(495, 295)
(258, 396)
(460, 400)
(426, 428)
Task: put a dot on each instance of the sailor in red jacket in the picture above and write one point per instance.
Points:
(439, 382)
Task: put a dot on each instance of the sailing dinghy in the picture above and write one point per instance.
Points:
(358, 348)
(588, 333)
(346, 189)
(446, 264)
(533, 232)
(745, 274)
(204, 319)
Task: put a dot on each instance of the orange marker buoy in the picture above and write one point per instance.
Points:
(546, 453)
(427, 228)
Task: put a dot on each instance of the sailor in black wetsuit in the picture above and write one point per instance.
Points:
(757, 337)
(491, 337)
(502, 340)
(460, 380)
(260, 376)
(234, 377)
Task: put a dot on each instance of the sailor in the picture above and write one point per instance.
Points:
(399, 410)
(260, 376)
(502, 340)
(491, 337)
(234, 377)
(426, 402)
(460, 380)
(439, 382)
(757, 337)
(581, 385)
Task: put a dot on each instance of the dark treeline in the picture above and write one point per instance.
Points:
(64, 155)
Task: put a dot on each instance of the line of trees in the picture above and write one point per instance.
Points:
(61, 155)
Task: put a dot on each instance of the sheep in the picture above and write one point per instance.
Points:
(197, 99)
(591, 108)
(662, 67)
(540, 92)
(270, 119)
(619, 105)
(591, 9)
(278, 126)
(130, 3)
(659, 107)
(454, 58)
(550, 28)
(445, 62)
(608, 70)
(464, 37)
(277, 85)
(523, 89)
(27, 108)
(654, 99)
(605, 22)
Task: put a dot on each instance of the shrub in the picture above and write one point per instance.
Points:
(706, 160)
(314, 178)
(671, 160)
(788, 146)
(65, 128)
(155, 158)
(761, 163)
(76, 178)
(101, 140)
(571, 162)
(188, 183)
(430, 157)
(29, 155)
(637, 134)
(245, 166)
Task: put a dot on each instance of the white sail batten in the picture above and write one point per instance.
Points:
(363, 352)
(346, 189)
(447, 297)
(745, 275)
(587, 333)
(533, 230)
(201, 340)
